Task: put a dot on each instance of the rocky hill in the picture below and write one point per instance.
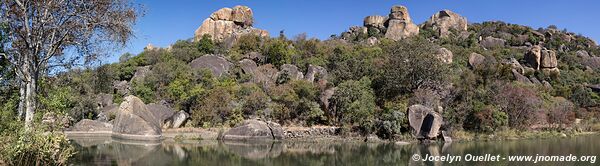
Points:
(387, 77)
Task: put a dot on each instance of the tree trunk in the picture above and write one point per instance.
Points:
(30, 102)
(21, 108)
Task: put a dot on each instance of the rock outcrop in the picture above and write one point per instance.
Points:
(445, 55)
(315, 73)
(121, 87)
(444, 21)
(424, 121)
(533, 57)
(135, 121)
(375, 21)
(399, 25)
(492, 42)
(291, 72)
(396, 26)
(177, 120)
(161, 112)
(548, 59)
(476, 60)
(254, 130)
(88, 125)
(215, 63)
(229, 23)
(543, 59)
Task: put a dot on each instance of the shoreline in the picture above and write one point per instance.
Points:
(213, 134)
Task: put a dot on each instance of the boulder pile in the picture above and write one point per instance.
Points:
(229, 23)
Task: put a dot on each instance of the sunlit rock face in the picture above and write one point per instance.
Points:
(229, 24)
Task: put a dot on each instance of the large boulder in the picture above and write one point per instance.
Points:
(254, 130)
(216, 64)
(445, 55)
(514, 64)
(476, 60)
(121, 87)
(444, 21)
(398, 12)
(135, 121)
(492, 42)
(521, 78)
(375, 21)
(399, 25)
(248, 66)
(104, 100)
(548, 59)
(242, 15)
(222, 14)
(88, 125)
(180, 118)
(291, 72)
(229, 24)
(161, 112)
(424, 121)
(315, 72)
(177, 120)
(399, 29)
(534, 56)
(265, 74)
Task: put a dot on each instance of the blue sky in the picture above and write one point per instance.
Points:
(165, 22)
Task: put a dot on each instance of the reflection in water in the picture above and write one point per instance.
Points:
(117, 152)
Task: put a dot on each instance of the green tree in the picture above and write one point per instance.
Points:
(411, 64)
(355, 104)
(42, 31)
(206, 45)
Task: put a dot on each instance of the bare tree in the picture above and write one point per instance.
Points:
(44, 34)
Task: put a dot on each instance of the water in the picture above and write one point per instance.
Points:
(105, 151)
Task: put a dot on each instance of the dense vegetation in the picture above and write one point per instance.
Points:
(375, 84)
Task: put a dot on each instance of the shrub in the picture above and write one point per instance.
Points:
(355, 104)
(205, 45)
(35, 147)
(521, 103)
(411, 64)
(278, 52)
(392, 120)
(561, 112)
(218, 108)
(488, 119)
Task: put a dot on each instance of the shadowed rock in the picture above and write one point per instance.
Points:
(216, 64)
(135, 121)
(254, 130)
(92, 126)
(424, 121)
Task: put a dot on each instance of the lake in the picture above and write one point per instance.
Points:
(106, 151)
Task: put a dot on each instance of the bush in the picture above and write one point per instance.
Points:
(206, 45)
(35, 147)
(487, 119)
(218, 108)
(355, 104)
(411, 64)
(392, 120)
(521, 103)
(561, 112)
(297, 103)
(278, 52)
